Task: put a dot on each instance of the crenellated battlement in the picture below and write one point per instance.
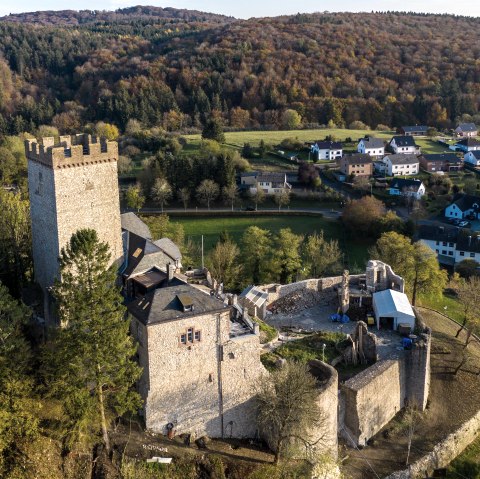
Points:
(71, 151)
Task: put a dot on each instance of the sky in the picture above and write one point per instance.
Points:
(252, 8)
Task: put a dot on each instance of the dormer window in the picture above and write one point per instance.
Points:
(186, 303)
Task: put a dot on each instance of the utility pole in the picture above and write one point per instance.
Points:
(203, 265)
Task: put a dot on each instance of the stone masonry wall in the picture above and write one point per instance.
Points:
(183, 380)
(241, 372)
(373, 397)
(444, 452)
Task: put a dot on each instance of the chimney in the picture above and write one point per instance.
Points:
(170, 272)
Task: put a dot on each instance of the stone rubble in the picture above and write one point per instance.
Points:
(300, 300)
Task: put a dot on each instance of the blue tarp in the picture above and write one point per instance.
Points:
(340, 318)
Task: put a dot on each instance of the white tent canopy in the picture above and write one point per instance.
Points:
(393, 307)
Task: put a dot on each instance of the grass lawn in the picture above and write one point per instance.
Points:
(467, 464)
(446, 304)
(355, 251)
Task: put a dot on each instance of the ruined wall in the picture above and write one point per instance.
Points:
(241, 372)
(328, 403)
(373, 397)
(443, 452)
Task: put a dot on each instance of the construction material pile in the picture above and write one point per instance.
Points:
(300, 300)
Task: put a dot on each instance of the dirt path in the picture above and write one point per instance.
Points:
(453, 399)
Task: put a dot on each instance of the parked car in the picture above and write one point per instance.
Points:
(452, 220)
(464, 224)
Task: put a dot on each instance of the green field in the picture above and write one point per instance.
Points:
(355, 251)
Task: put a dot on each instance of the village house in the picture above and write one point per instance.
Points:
(451, 244)
(463, 206)
(417, 130)
(404, 145)
(440, 162)
(374, 147)
(466, 145)
(401, 165)
(327, 150)
(358, 165)
(472, 158)
(466, 129)
(270, 183)
(407, 187)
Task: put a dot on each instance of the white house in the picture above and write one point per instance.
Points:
(451, 244)
(391, 309)
(472, 157)
(371, 146)
(404, 145)
(466, 145)
(466, 129)
(270, 183)
(463, 206)
(401, 165)
(327, 150)
(407, 187)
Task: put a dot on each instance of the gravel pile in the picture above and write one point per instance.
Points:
(299, 300)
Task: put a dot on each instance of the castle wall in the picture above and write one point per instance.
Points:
(241, 372)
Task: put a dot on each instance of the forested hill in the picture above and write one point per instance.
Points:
(379, 68)
(73, 17)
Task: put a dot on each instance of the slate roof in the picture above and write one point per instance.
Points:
(415, 129)
(132, 223)
(143, 255)
(169, 247)
(468, 242)
(399, 159)
(468, 142)
(476, 154)
(405, 184)
(372, 142)
(466, 202)
(272, 177)
(163, 305)
(404, 141)
(448, 157)
(438, 232)
(357, 158)
(255, 295)
(329, 145)
(467, 127)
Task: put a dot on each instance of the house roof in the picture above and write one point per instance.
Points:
(404, 141)
(468, 142)
(390, 301)
(399, 159)
(371, 142)
(414, 129)
(467, 127)
(475, 153)
(131, 222)
(438, 232)
(164, 304)
(466, 202)
(405, 184)
(169, 247)
(448, 157)
(357, 158)
(329, 145)
(272, 177)
(468, 242)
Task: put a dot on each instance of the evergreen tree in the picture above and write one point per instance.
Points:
(213, 130)
(90, 366)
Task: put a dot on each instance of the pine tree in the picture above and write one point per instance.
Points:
(90, 364)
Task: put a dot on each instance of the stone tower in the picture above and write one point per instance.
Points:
(73, 184)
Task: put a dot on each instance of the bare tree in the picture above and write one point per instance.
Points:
(207, 192)
(288, 411)
(257, 195)
(183, 195)
(282, 198)
(161, 191)
(230, 194)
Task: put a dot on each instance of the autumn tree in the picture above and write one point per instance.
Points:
(361, 216)
(230, 194)
(89, 364)
(288, 410)
(106, 130)
(207, 192)
(184, 195)
(282, 198)
(135, 198)
(256, 250)
(224, 264)
(291, 120)
(287, 255)
(257, 195)
(322, 256)
(161, 192)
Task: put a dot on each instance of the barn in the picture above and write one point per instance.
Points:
(391, 309)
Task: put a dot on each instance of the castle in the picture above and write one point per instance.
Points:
(72, 185)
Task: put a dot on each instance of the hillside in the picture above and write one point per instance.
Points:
(174, 67)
